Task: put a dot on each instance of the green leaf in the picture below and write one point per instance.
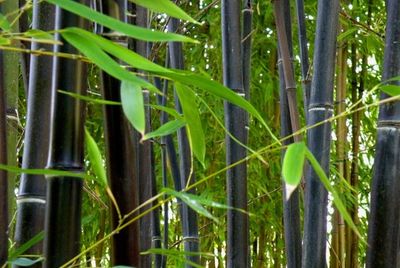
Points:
(36, 33)
(170, 111)
(292, 168)
(195, 130)
(133, 105)
(166, 129)
(102, 60)
(191, 202)
(4, 41)
(167, 7)
(48, 172)
(215, 88)
(89, 99)
(116, 25)
(118, 51)
(392, 90)
(346, 35)
(4, 23)
(25, 262)
(95, 159)
(336, 198)
(27, 245)
(178, 255)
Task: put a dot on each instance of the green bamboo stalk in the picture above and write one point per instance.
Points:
(235, 123)
(384, 225)
(64, 194)
(31, 198)
(319, 138)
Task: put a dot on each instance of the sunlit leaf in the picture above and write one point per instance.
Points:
(195, 130)
(96, 159)
(133, 105)
(167, 7)
(392, 90)
(292, 167)
(116, 25)
(166, 129)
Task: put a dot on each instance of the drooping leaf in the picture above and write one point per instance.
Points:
(96, 159)
(133, 105)
(191, 202)
(195, 130)
(116, 25)
(167, 7)
(25, 262)
(166, 129)
(103, 61)
(89, 99)
(292, 167)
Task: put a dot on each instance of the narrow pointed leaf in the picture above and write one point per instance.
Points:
(25, 262)
(166, 129)
(133, 105)
(391, 90)
(293, 163)
(167, 7)
(24, 247)
(96, 159)
(116, 25)
(195, 130)
(170, 111)
(89, 99)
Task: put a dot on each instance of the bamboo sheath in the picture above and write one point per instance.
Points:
(291, 212)
(63, 210)
(189, 216)
(319, 138)
(235, 123)
(31, 198)
(384, 226)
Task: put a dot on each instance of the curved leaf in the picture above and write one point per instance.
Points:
(96, 159)
(166, 129)
(133, 105)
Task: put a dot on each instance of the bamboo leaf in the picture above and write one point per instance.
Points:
(89, 99)
(166, 129)
(27, 245)
(133, 105)
(170, 111)
(191, 202)
(25, 262)
(336, 198)
(192, 117)
(116, 25)
(4, 23)
(292, 168)
(167, 7)
(96, 159)
(391, 90)
(103, 61)
(179, 256)
(120, 52)
(48, 172)
(36, 33)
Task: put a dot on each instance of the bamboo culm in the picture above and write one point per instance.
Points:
(188, 215)
(291, 211)
(384, 226)
(31, 198)
(319, 138)
(64, 194)
(235, 123)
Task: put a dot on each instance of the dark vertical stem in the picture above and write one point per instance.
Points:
(304, 60)
(189, 216)
(31, 197)
(63, 210)
(122, 160)
(289, 124)
(383, 233)
(235, 122)
(3, 174)
(246, 45)
(319, 138)
(25, 58)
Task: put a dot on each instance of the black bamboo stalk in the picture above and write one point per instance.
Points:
(319, 138)
(122, 160)
(246, 44)
(383, 232)
(235, 122)
(25, 58)
(63, 210)
(289, 124)
(3, 174)
(188, 216)
(31, 199)
(304, 60)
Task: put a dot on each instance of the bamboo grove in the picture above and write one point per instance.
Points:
(199, 133)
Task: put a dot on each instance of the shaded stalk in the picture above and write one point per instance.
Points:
(303, 48)
(188, 215)
(64, 194)
(320, 108)
(290, 123)
(121, 157)
(31, 198)
(384, 225)
(235, 122)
